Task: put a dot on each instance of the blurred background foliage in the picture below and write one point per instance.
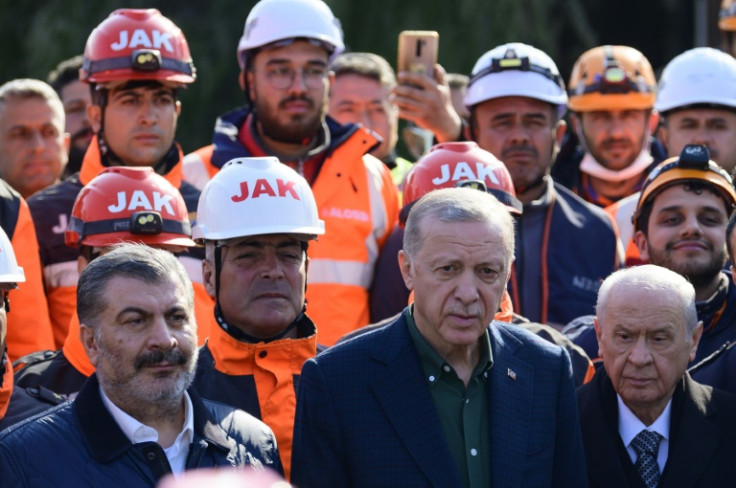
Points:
(37, 34)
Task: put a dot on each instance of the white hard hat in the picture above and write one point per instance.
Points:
(516, 70)
(277, 20)
(10, 272)
(256, 196)
(698, 76)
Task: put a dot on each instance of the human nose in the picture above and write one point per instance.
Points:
(148, 113)
(271, 265)
(466, 289)
(160, 335)
(37, 142)
(298, 81)
(691, 226)
(640, 354)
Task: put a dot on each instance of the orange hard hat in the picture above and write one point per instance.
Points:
(611, 78)
(693, 163)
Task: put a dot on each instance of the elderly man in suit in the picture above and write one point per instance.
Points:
(438, 397)
(645, 422)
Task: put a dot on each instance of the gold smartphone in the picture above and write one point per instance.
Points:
(418, 51)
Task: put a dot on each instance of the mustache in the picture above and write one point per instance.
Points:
(296, 98)
(520, 148)
(172, 356)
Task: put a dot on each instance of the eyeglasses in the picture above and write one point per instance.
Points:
(282, 77)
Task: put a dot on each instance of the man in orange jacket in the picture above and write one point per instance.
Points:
(29, 326)
(135, 61)
(284, 57)
(15, 403)
(257, 217)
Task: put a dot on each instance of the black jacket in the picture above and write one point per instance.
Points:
(80, 444)
(702, 437)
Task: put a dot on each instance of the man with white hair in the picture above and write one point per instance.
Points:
(645, 421)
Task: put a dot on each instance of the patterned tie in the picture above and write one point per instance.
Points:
(646, 445)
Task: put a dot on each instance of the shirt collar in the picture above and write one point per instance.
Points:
(629, 424)
(138, 432)
(432, 363)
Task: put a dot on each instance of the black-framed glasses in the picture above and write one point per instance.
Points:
(282, 77)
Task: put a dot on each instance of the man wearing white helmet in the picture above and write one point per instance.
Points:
(16, 404)
(696, 101)
(284, 58)
(565, 246)
(256, 218)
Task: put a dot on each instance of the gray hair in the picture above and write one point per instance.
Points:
(457, 205)
(653, 278)
(28, 88)
(128, 260)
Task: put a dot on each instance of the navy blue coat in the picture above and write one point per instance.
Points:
(80, 444)
(365, 416)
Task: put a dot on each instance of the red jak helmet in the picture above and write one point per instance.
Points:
(129, 204)
(462, 164)
(137, 44)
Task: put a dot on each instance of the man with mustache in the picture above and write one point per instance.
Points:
(256, 270)
(438, 397)
(284, 58)
(680, 224)
(611, 98)
(565, 246)
(136, 419)
(135, 63)
(75, 96)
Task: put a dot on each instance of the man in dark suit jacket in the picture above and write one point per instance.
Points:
(438, 398)
(648, 331)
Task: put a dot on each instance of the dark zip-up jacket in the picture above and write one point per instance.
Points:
(80, 444)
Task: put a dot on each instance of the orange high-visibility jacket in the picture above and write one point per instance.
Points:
(358, 201)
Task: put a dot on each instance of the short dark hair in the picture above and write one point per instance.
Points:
(65, 72)
(368, 65)
(129, 260)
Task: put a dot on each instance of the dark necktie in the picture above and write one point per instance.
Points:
(646, 445)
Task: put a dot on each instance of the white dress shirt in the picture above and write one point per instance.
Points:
(138, 432)
(629, 427)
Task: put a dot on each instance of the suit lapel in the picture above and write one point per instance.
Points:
(693, 437)
(511, 402)
(608, 462)
(402, 393)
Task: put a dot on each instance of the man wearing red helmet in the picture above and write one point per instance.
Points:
(565, 246)
(121, 204)
(284, 58)
(135, 61)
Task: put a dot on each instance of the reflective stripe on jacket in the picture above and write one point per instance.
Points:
(359, 204)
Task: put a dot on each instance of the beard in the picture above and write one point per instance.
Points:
(136, 390)
(297, 130)
(699, 274)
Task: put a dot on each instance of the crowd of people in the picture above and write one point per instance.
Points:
(544, 297)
